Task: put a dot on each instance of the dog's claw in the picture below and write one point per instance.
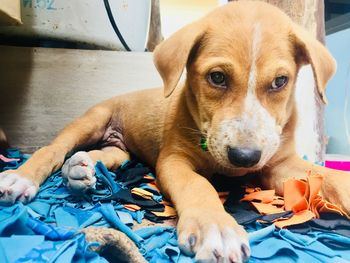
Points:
(233, 259)
(192, 240)
(218, 255)
(245, 251)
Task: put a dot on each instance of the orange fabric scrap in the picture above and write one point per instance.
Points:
(143, 193)
(267, 209)
(132, 207)
(149, 177)
(165, 202)
(168, 212)
(307, 197)
(265, 196)
(153, 185)
(294, 195)
(300, 196)
(297, 218)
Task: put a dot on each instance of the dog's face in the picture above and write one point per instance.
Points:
(244, 89)
(241, 72)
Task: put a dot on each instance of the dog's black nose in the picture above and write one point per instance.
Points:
(243, 157)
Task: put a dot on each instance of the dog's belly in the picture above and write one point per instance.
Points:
(137, 124)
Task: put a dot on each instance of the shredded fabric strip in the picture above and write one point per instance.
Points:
(55, 226)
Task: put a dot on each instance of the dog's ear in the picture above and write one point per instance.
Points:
(310, 51)
(170, 56)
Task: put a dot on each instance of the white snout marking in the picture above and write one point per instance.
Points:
(255, 127)
(254, 54)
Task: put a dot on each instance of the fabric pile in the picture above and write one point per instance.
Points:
(122, 220)
(299, 227)
(56, 218)
(300, 203)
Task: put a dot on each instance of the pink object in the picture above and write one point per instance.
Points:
(7, 160)
(338, 165)
(338, 162)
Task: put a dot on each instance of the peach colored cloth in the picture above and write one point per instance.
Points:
(298, 218)
(132, 207)
(169, 212)
(300, 196)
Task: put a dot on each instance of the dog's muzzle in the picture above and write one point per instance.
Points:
(243, 157)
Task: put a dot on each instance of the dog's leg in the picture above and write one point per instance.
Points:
(336, 186)
(79, 170)
(204, 228)
(22, 184)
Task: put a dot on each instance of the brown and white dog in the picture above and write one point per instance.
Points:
(242, 61)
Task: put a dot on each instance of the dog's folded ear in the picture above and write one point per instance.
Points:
(170, 56)
(310, 51)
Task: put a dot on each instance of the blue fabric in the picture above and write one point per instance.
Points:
(270, 244)
(55, 215)
(107, 177)
(46, 230)
(160, 245)
(13, 164)
(328, 222)
(36, 241)
(13, 221)
(108, 212)
(15, 247)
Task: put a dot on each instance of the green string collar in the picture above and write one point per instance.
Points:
(204, 144)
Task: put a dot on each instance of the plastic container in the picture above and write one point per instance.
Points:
(10, 12)
(85, 21)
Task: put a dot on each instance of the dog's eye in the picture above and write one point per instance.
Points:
(217, 79)
(278, 83)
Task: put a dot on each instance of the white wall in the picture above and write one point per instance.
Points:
(177, 13)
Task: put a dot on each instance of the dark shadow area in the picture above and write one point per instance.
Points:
(15, 72)
(47, 43)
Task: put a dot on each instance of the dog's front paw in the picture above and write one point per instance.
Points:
(15, 187)
(79, 171)
(212, 237)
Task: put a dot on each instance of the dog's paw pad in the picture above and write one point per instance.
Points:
(79, 172)
(211, 242)
(14, 187)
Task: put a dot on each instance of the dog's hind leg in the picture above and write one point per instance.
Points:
(112, 157)
(79, 170)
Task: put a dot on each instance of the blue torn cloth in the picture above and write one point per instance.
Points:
(160, 245)
(58, 215)
(46, 230)
(16, 247)
(25, 239)
(270, 244)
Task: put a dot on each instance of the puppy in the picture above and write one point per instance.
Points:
(242, 61)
